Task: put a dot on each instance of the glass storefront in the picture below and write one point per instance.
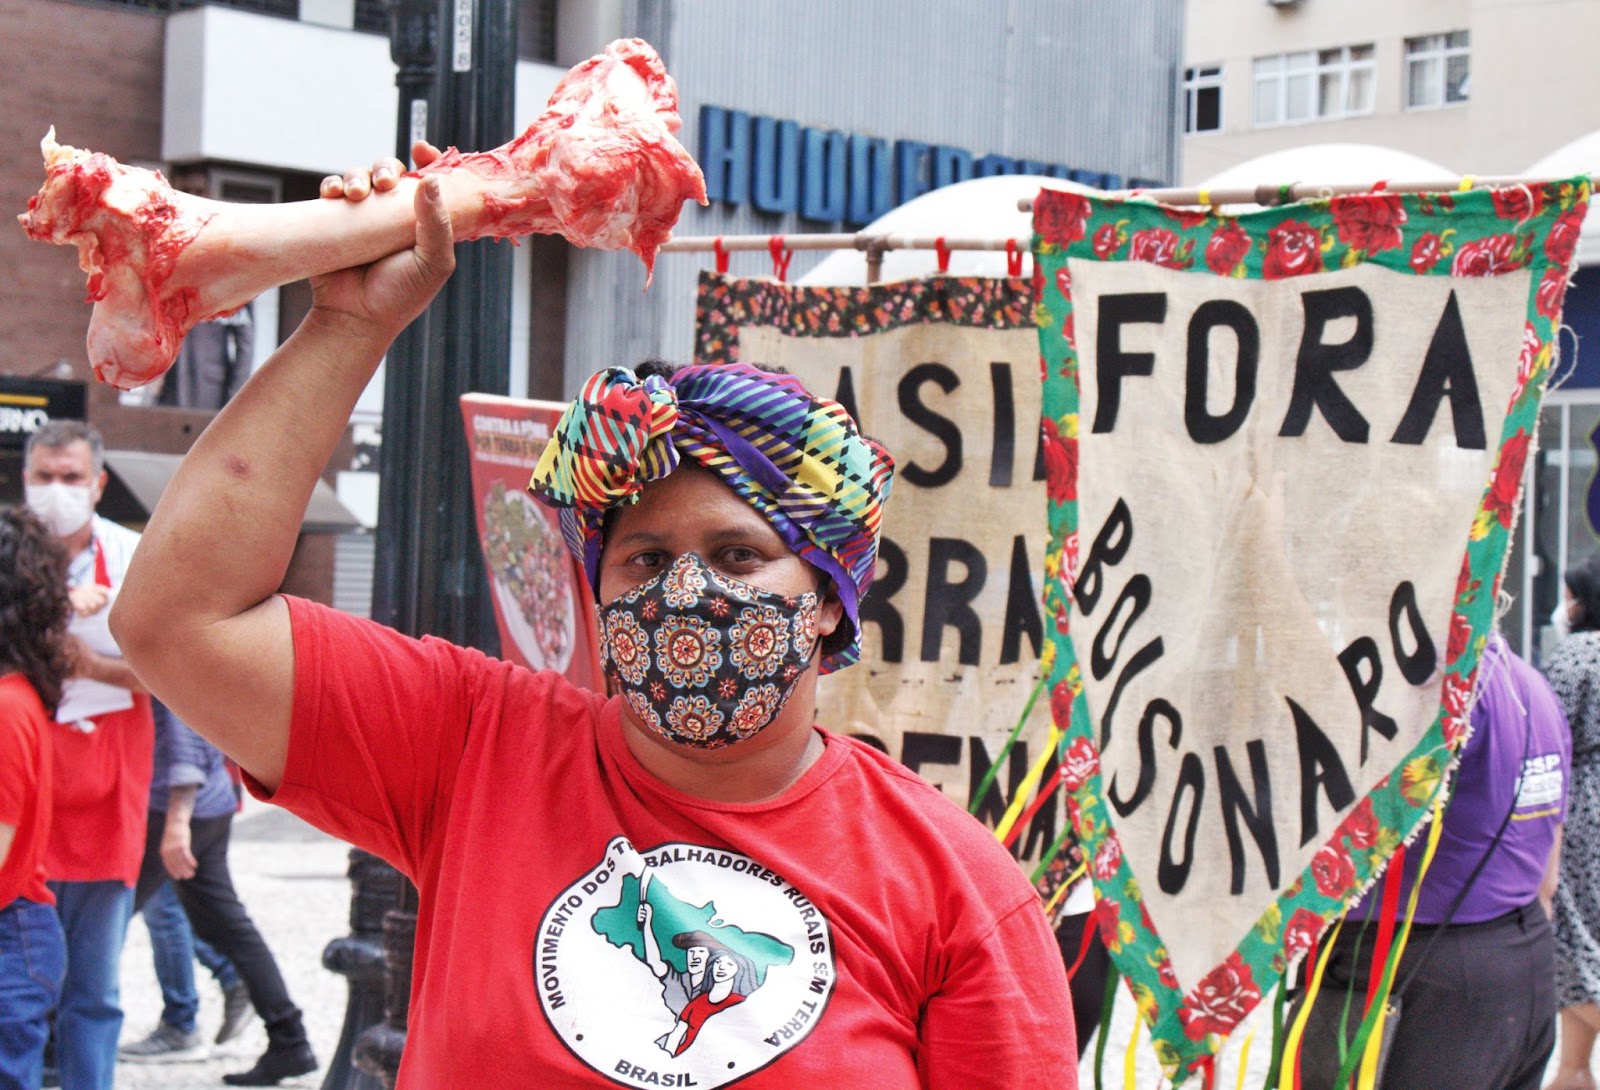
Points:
(1560, 514)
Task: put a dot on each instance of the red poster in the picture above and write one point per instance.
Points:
(542, 601)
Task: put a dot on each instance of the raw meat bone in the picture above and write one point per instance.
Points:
(600, 166)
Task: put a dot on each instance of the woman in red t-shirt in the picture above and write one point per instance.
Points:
(729, 982)
(33, 663)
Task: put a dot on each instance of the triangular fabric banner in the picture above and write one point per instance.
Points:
(1285, 451)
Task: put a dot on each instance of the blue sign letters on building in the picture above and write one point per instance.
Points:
(828, 176)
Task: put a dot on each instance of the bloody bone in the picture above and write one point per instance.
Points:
(600, 166)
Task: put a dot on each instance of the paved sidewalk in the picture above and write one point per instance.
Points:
(292, 880)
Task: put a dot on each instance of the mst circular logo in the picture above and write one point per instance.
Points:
(682, 966)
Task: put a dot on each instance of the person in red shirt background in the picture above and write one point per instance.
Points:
(33, 664)
(103, 743)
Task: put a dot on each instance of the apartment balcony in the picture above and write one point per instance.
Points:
(283, 94)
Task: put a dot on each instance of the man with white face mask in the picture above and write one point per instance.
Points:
(103, 747)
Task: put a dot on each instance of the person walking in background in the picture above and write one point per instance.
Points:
(174, 949)
(191, 816)
(1574, 672)
(102, 749)
(1474, 992)
(33, 664)
(173, 945)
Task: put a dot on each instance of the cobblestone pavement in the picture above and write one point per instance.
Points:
(292, 879)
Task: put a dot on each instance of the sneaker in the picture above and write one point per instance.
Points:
(276, 1064)
(236, 1012)
(167, 1044)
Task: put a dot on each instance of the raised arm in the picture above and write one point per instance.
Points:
(197, 616)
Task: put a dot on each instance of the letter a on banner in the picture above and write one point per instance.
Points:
(1288, 448)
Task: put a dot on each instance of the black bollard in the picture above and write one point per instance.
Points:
(378, 1050)
(359, 957)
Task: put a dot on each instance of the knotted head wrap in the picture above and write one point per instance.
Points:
(797, 459)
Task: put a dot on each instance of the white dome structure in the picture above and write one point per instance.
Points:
(1333, 164)
(979, 208)
(1582, 156)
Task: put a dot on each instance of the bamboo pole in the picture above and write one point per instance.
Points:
(875, 246)
(866, 242)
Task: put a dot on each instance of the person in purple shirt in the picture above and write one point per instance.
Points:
(1475, 989)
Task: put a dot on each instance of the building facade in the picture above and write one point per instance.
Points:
(1485, 86)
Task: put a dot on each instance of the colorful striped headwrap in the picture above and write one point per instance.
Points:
(798, 460)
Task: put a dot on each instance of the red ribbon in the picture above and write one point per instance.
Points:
(1033, 808)
(1090, 927)
(781, 256)
(1391, 905)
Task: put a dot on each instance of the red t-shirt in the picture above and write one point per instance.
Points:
(102, 777)
(25, 775)
(881, 933)
(102, 797)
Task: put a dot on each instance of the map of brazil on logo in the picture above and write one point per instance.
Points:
(682, 965)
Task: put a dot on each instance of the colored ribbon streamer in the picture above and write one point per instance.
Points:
(1102, 1031)
(1130, 1058)
(1055, 899)
(1005, 750)
(1275, 1061)
(1244, 1059)
(1373, 1025)
(1290, 1075)
(1385, 940)
(1030, 783)
(781, 256)
(1051, 853)
(1044, 796)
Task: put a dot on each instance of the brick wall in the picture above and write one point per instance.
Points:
(96, 74)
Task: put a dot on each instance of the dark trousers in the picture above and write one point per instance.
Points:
(1088, 984)
(1480, 1013)
(219, 918)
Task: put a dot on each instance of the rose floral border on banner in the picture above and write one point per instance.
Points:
(1483, 233)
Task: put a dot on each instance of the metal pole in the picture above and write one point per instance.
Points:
(376, 886)
(430, 577)
(360, 958)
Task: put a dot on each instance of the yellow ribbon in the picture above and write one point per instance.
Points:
(1130, 1059)
(1291, 1046)
(1055, 898)
(1244, 1058)
(1030, 783)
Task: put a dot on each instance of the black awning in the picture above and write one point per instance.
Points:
(137, 479)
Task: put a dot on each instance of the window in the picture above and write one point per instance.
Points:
(1438, 70)
(1202, 98)
(1326, 84)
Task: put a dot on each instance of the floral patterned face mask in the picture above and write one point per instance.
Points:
(703, 659)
